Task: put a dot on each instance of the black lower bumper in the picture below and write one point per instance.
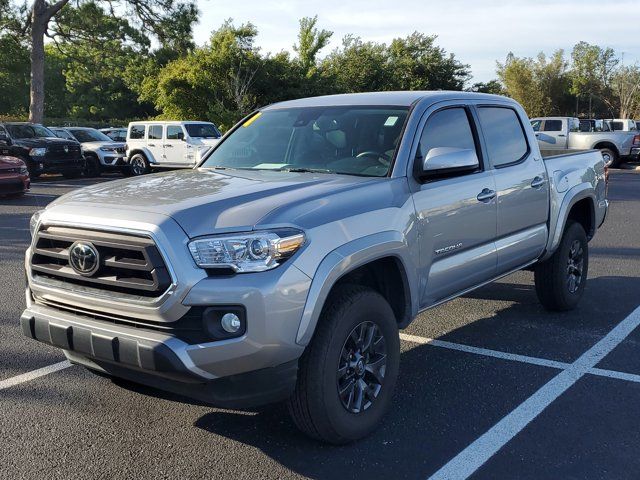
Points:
(41, 166)
(154, 360)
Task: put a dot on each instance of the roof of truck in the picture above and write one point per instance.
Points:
(404, 99)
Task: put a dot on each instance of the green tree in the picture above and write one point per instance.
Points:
(540, 85)
(163, 18)
(417, 63)
(310, 42)
(492, 86)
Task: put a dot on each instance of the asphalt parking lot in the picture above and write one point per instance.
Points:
(491, 386)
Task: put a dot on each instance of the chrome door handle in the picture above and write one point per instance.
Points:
(538, 182)
(486, 195)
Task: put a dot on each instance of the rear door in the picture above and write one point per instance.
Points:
(175, 148)
(521, 183)
(553, 134)
(456, 214)
(155, 144)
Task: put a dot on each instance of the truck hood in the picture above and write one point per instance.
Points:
(42, 142)
(209, 142)
(204, 201)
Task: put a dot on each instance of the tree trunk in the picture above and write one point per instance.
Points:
(38, 27)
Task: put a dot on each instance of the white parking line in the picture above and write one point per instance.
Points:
(475, 455)
(26, 377)
(485, 352)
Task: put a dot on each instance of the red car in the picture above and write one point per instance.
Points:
(14, 176)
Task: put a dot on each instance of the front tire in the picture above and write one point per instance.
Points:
(92, 166)
(561, 279)
(349, 370)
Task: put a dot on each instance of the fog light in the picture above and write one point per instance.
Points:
(230, 322)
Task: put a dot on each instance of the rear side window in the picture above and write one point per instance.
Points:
(174, 132)
(447, 128)
(552, 126)
(503, 133)
(136, 132)
(155, 132)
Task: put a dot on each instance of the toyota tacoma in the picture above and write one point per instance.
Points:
(284, 264)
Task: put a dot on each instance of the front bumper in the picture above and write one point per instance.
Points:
(153, 358)
(13, 183)
(113, 160)
(53, 165)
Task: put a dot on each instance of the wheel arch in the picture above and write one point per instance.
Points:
(380, 261)
(609, 145)
(578, 204)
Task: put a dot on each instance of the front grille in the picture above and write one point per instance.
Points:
(63, 152)
(128, 264)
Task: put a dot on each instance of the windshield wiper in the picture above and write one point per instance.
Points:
(305, 170)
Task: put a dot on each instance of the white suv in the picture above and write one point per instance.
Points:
(168, 144)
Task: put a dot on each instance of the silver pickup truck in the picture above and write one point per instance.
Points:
(284, 264)
(562, 134)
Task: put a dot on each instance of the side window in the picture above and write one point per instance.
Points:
(136, 132)
(155, 132)
(174, 132)
(503, 133)
(552, 126)
(535, 124)
(447, 128)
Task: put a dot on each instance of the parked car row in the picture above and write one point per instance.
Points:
(568, 134)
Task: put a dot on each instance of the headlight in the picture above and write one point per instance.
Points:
(246, 252)
(108, 149)
(38, 152)
(33, 223)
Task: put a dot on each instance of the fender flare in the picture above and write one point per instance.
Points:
(571, 197)
(347, 258)
(145, 151)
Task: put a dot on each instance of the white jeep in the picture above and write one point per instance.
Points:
(168, 144)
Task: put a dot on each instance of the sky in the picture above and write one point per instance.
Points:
(477, 32)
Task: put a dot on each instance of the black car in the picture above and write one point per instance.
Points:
(41, 150)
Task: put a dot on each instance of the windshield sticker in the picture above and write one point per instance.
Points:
(391, 121)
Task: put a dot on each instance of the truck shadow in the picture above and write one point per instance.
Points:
(444, 399)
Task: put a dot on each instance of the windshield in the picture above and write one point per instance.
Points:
(202, 130)
(89, 135)
(29, 131)
(348, 140)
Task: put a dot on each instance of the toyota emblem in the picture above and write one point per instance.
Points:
(66, 149)
(84, 258)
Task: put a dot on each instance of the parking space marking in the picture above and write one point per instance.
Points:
(41, 372)
(543, 362)
(482, 449)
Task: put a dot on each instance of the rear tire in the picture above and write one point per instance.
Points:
(561, 279)
(610, 157)
(356, 349)
(139, 165)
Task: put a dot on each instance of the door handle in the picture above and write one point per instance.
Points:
(168, 145)
(538, 182)
(486, 195)
(151, 144)
(537, 135)
(562, 135)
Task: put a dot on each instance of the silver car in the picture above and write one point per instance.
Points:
(101, 152)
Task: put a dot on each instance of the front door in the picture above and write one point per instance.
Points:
(456, 213)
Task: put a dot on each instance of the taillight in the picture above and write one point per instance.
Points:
(636, 140)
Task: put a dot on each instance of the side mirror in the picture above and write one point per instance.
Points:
(443, 161)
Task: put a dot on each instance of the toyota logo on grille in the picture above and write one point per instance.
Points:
(66, 149)
(84, 258)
